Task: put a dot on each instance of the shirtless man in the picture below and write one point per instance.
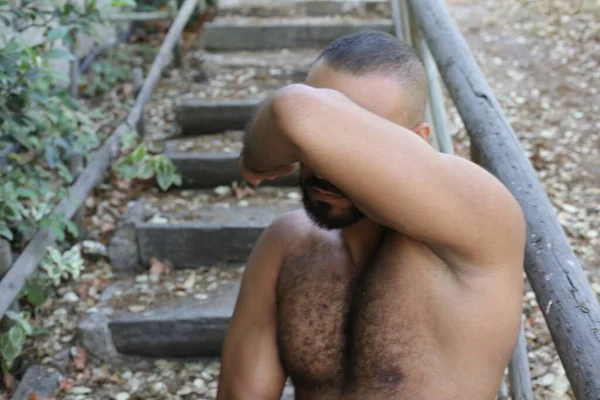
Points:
(402, 277)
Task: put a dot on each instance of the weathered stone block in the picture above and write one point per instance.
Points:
(192, 328)
(229, 35)
(122, 248)
(223, 235)
(208, 170)
(197, 116)
(37, 379)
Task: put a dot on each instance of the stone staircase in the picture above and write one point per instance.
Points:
(206, 225)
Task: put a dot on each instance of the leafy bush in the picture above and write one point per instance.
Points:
(12, 341)
(41, 127)
(56, 267)
(137, 162)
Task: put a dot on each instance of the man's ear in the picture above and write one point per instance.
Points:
(423, 130)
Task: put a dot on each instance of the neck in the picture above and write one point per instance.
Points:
(361, 239)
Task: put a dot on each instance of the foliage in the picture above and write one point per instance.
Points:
(138, 163)
(59, 266)
(55, 267)
(12, 341)
(41, 127)
(115, 67)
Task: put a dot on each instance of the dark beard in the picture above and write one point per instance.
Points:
(320, 212)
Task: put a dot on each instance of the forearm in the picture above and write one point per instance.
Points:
(266, 145)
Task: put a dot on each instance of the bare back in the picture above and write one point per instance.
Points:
(404, 327)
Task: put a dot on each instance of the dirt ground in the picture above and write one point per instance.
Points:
(541, 59)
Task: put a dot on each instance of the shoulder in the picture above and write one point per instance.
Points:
(290, 230)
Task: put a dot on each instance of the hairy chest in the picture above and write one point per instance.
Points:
(339, 328)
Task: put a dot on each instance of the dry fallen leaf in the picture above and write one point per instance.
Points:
(83, 290)
(189, 282)
(122, 184)
(158, 268)
(35, 396)
(79, 360)
(107, 227)
(9, 381)
(240, 191)
(67, 383)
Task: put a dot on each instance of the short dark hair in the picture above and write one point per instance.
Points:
(373, 52)
(367, 52)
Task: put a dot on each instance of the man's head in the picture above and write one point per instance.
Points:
(381, 74)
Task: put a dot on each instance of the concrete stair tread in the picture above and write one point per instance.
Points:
(200, 228)
(208, 161)
(217, 79)
(229, 142)
(180, 329)
(253, 33)
(337, 20)
(197, 116)
(149, 320)
(211, 207)
(306, 7)
(274, 58)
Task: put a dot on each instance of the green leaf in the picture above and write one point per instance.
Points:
(123, 3)
(9, 351)
(145, 172)
(58, 54)
(72, 228)
(58, 231)
(58, 32)
(26, 193)
(5, 231)
(16, 335)
(34, 293)
(139, 153)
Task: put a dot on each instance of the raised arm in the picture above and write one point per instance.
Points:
(250, 366)
(392, 175)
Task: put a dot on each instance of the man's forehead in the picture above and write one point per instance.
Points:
(378, 93)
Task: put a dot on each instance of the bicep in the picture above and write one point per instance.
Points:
(250, 361)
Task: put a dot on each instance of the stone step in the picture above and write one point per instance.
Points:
(257, 8)
(238, 33)
(238, 82)
(184, 314)
(292, 63)
(191, 328)
(198, 116)
(208, 169)
(181, 316)
(194, 228)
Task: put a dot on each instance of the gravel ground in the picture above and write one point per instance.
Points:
(541, 59)
(226, 142)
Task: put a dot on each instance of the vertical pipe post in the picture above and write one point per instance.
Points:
(519, 377)
(437, 117)
(76, 163)
(177, 55)
(138, 81)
